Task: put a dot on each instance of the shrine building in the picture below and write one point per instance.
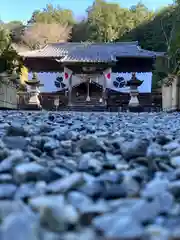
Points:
(92, 75)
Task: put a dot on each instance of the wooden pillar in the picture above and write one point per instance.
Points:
(88, 99)
(70, 92)
(104, 91)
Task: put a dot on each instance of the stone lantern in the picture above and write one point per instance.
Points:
(33, 90)
(134, 83)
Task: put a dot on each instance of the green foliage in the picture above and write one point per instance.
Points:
(22, 88)
(160, 72)
(13, 61)
(53, 15)
(107, 22)
(4, 39)
(160, 33)
(16, 29)
(140, 14)
(149, 33)
(80, 31)
(9, 58)
(103, 21)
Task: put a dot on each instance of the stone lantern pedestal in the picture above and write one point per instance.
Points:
(134, 83)
(134, 101)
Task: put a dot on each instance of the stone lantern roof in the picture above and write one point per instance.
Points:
(134, 81)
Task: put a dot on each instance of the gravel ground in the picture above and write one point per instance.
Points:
(89, 176)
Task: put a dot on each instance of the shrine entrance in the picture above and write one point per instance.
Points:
(87, 88)
(87, 93)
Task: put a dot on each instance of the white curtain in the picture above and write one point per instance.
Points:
(48, 79)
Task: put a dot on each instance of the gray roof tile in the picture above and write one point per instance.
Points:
(90, 52)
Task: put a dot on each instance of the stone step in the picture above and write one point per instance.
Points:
(92, 102)
(84, 100)
(85, 108)
(87, 104)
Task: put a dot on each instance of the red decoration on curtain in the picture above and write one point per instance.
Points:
(66, 75)
(108, 76)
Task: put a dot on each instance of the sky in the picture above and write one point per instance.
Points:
(23, 9)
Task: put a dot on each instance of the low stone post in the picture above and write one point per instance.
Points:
(56, 103)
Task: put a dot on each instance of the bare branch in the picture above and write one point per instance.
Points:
(172, 33)
(40, 34)
(165, 35)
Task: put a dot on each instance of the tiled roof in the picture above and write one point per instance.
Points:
(90, 52)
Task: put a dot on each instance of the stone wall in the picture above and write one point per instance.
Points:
(8, 96)
(170, 94)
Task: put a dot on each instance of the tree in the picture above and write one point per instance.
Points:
(172, 38)
(108, 21)
(103, 21)
(51, 15)
(9, 59)
(167, 37)
(80, 32)
(169, 19)
(4, 39)
(16, 29)
(40, 34)
(140, 14)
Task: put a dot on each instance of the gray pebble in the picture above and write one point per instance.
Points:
(7, 190)
(12, 160)
(19, 226)
(175, 161)
(155, 232)
(57, 218)
(15, 142)
(66, 184)
(28, 172)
